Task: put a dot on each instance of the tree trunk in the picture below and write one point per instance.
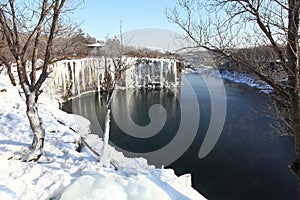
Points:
(294, 83)
(104, 158)
(36, 127)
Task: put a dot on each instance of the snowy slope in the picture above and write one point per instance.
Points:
(64, 173)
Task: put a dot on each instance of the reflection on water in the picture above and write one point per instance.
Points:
(248, 162)
(138, 104)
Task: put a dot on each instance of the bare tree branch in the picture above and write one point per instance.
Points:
(25, 40)
(267, 23)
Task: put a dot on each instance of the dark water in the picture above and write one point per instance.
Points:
(249, 161)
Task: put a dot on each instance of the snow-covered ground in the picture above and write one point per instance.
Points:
(64, 173)
(246, 79)
(233, 76)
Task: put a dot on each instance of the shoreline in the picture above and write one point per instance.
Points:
(234, 77)
(61, 169)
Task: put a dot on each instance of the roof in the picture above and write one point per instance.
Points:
(97, 44)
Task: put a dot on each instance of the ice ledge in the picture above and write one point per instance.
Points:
(72, 78)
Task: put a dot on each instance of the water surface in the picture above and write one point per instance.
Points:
(249, 161)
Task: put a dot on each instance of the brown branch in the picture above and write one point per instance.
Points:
(57, 10)
(15, 31)
(7, 33)
(44, 12)
(34, 58)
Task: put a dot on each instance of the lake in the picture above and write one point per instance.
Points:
(247, 160)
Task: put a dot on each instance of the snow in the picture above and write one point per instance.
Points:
(246, 79)
(64, 173)
(233, 76)
(154, 184)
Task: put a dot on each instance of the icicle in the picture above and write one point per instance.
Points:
(98, 82)
(161, 73)
(175, 73)
(83, 67)
(73, 77)
(87, 68)
(92, 67)
(88, 73)
(136, 75)
(63, 77)
(78, 76)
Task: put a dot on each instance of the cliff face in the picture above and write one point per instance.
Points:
(74, 77)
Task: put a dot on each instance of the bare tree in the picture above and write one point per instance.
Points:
(232, 27)
(29, 29)
(115, 50)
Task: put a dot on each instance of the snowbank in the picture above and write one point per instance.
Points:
(233, 76)
(62, 172)
(245, 79)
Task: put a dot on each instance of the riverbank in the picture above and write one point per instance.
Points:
(235, 77)
(64, 173)
(246, 79)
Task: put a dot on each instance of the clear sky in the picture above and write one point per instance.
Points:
(101, 18)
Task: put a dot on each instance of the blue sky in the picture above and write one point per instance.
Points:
(101, 18)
